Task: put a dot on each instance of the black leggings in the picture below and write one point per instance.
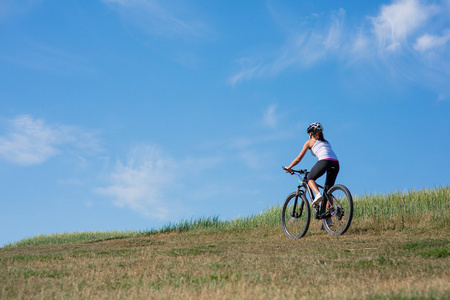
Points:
(322, 166)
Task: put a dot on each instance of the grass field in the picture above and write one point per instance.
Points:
(398, 247)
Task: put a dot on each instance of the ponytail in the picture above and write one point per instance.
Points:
(321, 138)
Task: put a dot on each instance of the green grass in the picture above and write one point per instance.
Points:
(75, 237)
(371, 212)
(397, 247)
(407, 203)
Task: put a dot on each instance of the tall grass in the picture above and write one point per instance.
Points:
(435, 201)
(270, 217)
(420, 210)
(375, 211)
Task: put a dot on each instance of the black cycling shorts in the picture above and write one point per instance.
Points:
(322, 166)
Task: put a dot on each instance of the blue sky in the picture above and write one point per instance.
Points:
(129, 115)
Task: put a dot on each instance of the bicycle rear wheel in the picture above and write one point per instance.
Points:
(341, 210)
(295, 216)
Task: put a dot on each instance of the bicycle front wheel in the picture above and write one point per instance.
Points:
(295, 216)
(341, 210)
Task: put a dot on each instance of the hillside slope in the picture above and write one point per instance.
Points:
(403, 253)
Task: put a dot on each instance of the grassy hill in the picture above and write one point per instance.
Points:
(397, 247)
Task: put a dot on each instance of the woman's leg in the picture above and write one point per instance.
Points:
(317, 171)
(332, 173)
(313, 185)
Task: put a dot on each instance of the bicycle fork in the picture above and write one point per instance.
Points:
(298, 194)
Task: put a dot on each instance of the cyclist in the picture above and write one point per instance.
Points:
(328, 161)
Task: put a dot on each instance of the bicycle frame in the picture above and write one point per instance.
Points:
(321, 212)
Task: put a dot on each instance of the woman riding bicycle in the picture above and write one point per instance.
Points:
(328, 161)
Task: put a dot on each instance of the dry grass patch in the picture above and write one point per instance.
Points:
(259, 263)
(396, 248)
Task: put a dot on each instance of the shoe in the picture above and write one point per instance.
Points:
(317, 200)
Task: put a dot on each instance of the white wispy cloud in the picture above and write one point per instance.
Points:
(29, 141)
(303, 48)
(271, 118)
(428, 42)
(411, 38)
(246, 73)
(398, 21)
(142, 181)
(164, 18)
(150, 182)
(404, 38)
(153, 183)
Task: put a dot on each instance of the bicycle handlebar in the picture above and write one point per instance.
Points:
(304, 171)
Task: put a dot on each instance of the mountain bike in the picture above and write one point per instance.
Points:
(335, 210)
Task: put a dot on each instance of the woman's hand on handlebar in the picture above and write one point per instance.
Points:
(288, 170)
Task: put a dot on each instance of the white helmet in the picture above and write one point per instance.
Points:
(314, 127)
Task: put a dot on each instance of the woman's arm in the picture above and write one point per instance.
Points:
(305, 148)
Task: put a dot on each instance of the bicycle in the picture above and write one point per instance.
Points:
(335, 210)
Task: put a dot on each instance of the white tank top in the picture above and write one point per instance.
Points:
(323, 151)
